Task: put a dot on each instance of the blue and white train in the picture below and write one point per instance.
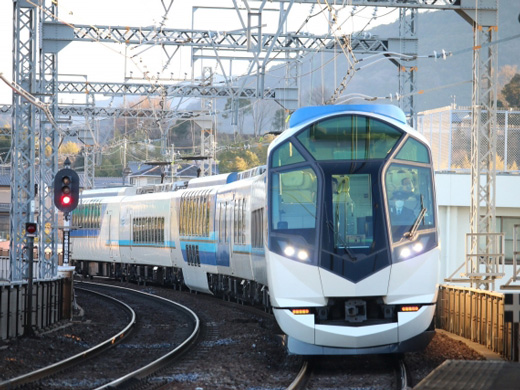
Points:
(337, 234)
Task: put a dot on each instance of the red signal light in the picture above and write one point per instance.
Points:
(31, 228)
(66, 190)
(66, 200)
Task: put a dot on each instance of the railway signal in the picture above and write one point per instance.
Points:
(31, 228)
(66, 190)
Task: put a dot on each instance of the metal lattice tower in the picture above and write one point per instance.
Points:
(23, 154)
(407, 70)
(88, 166)
(483, 261)
(49, 141)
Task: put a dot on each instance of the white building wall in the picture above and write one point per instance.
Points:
(453, 198)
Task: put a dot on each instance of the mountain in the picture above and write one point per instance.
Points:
(437, 30)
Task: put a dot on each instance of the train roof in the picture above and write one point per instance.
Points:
(106, 192)
(306, 114)
(214, 180)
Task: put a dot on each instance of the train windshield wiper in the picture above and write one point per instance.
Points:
(411, 234)
(352, 256)
(342, 242)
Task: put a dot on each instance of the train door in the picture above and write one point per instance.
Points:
(224, 212)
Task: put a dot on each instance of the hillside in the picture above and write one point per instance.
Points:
(437, 30)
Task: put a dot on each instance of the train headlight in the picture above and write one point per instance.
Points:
(303, 255)
(405, 253)
(408, 251)
(289, 251)
(297, 250)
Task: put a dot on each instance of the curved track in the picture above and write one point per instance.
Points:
(121, 359)
(38, 374)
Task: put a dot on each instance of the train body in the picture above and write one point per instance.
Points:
(337, 234)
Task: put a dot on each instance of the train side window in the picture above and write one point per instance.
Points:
(98, 216)
(199, 215)
(243, 221)
(229, 217)
(413, 150)
(257, 233)
(235, 221)
(146, 229)
(153, 229)
(286, 154)
(161, 230)
(224, 227)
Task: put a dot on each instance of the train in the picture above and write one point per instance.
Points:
(337, 234)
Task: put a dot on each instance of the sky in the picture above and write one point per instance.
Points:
(107, 62)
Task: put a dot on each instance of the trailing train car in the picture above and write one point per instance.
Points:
(337, 234)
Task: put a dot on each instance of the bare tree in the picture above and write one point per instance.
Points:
(261, 115)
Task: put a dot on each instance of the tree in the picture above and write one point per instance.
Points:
(5, 145)
(505, 74)
(278, 122)
(320, 95)
(242, 107)
(261, 111)
(182, 134)
(511, 91)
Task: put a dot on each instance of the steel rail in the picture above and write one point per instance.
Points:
(403, 383)
(150, 368)
(73, 360)
(302, 377)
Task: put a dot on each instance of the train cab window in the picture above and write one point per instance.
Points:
(349, 137)
(413, 150)
(293, 197)
(293, 212)
(286, 155)
(352, 211)
(409, 191)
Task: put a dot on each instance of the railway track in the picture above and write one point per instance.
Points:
(236, 349)
(360, 372)
(158, 335)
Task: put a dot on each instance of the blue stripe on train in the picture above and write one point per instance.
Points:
(84, 233)
(200, 252)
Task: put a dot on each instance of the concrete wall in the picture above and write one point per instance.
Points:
(454, 197)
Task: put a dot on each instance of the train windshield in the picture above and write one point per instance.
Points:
(351, 221)
(349, 137)
(353, 244)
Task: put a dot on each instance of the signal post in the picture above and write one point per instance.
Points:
(66, 197)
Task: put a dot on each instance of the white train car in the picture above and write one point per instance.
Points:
(337, 234)
(352, 252)
(95, 228)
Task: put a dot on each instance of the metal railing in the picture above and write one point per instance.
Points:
(5, 266)
(477, 315)
(47, 306)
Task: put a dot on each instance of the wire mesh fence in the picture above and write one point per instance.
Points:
(448, 130)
